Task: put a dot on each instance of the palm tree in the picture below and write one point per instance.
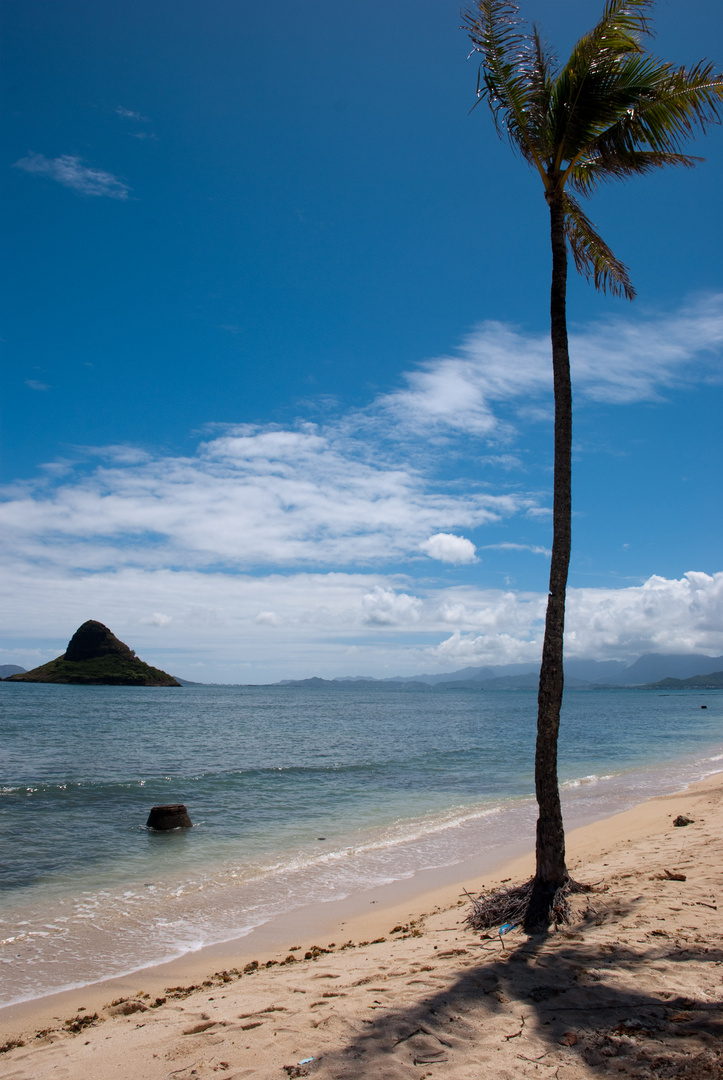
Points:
(611, 112)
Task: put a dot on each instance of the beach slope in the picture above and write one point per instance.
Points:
(633, 987)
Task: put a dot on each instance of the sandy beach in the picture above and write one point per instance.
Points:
(392, 984)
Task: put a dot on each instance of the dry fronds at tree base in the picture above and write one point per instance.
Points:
(512, 905)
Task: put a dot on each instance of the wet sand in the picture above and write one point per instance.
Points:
(390, 983)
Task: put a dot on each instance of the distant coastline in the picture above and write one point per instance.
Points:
(652, 671)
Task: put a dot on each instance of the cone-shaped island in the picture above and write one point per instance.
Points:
(95, 656)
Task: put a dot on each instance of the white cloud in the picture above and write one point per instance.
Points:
(156, 619)
(70, 171)
(509, 462)
(247, 499)
(661, 615)
(121, 454)
(129, 114)
(629, 360)
(326, 497)
(268, 618)
(292, 529)
(332, 624)
(534, 549)
(449, 548)
(33, 384)
(462, 650)
(619, 360)
(385, 607)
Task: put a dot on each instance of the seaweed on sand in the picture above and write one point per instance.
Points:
(512, 905)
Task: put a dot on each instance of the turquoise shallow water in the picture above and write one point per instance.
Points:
(296, 795)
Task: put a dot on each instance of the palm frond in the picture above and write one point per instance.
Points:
(514, 72)
(597, 57)
(540, 82)
(588, 173)
(622, 24)
(673, 106)
(593, 258)
(639, 103)
(611, 112)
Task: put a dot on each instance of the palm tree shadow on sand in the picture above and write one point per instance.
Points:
(551, 1001)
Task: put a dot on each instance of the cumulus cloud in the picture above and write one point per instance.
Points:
(661, 615)
(385, 607)
(449, 548)
(462, 650)
(72, 172)
(332, 624)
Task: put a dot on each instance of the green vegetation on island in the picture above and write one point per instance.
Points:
(95, 656)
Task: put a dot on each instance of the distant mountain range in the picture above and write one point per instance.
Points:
(685, 669)
(714, 681)
(654, 670)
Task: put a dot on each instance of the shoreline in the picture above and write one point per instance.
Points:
(363, 917)
(486, 848)
(135, 902)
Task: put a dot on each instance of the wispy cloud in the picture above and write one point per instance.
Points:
(348, 493)
(34, 384)
(138, 118)
(250, 498)
(535, 549)
(129, 114)
(72, 172)
(622, 360)
(285, 545)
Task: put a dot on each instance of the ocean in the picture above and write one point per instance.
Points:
(296, 795)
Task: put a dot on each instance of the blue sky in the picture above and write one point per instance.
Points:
(277, 393)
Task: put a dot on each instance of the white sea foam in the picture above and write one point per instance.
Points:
(117, 932)
(592, 778)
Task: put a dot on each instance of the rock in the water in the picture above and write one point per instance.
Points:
(173, 816)
(96, 656)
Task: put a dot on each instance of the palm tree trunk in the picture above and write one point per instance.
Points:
(551, 872)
